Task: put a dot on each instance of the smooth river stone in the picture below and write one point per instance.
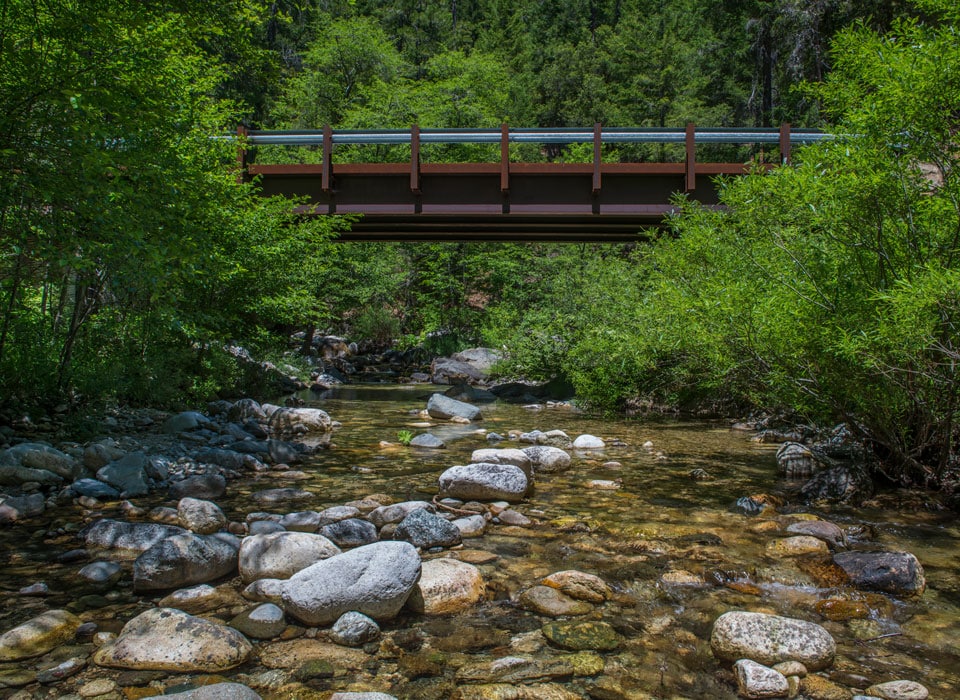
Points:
(446, 587)
(134, 537)
(38, 635)
(165, 639)
(891, 572)
(544, 600)
(582, 636)
(899, 690)
(796, 546)
(185, 560)
(282, 554)
(375, 580)
(758, 681)
(579, 585)
(216, 691)
(770, 639)
(484, 482)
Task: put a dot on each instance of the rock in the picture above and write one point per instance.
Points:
(265, 590)
(544, 600)
(375, 580)
(838, 610)
(517, 458)
(40, 457)
(821, 529)
(899, 690)
(523, 669)
(820, 688)
(14, 509)
(588, 442)
(97, 687)
(280, 555)
(244, 410)
(289, 495)
(442, 407)
(61, 671)
(215, 691)
(99, 454)
(582, 636)
(164, 639)
(427, 440)
(353, 532)
(484, 482)
(579, 585)
(470, 394)
(394, 513)
(185, 560)
(335, 514)
(770, 639)
(446, 587)
(471, 526)
(898, 573)
(15, 475)
(796, 461)
(197, 599)
(205, 486)
(93, 488)
(796, 546)
(362, 696)
(201, 517)
(757, 681)
(426, 530)
(296, 421)
(445, 370)
(101, 573)
(262, 622)
(183, 422)
(127, 475)
(134, 537)
(38, 635)
(354, 629)
(481, 359)
(546, 458)
(264, 527)
(844, 483)
(228, 459)
(507, 691)
(301, 521)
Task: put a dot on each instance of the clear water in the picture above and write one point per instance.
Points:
(661, 521)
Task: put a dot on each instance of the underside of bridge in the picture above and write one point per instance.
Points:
(617, 202)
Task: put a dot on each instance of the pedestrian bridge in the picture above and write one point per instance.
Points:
(502, 200)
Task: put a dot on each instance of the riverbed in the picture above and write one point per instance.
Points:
(652, 513)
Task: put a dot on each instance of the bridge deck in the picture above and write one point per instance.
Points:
(501, 201)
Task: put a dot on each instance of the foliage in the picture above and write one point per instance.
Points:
(404, 437)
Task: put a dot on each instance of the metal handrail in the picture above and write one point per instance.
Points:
(311, 137)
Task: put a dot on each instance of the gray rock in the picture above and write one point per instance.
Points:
(757, 681)
(158, 468)
(287, 495)
(262, 622)
(301, 521)
(284, 452)
(844, 483)
(101, 453)
(796, 461)
(135, 537)
(337, 513)
(427, 440)
(228, 459)
(352, 532)
(93, 488)
(36, 455)
(442, 407)
(264, 527)
(182, 422)
(588, 442)
(39, 635)
(471, 526)
(484, 482)
(244, 410)
(15, 475)
(427, 530)
(898, 573)
(185, 560)
(201, 517)
(101, 573)
(127, 475)
(375, 580)
(205, 486)
(362, 696)
(470, 394)
(394, 513)
(282, 554)
(513, 456)
(445, 370)
(216, 691)
(165, 639)
(899, 690)
(770, 639)
(481, 359)
(546, 458)
(265, 590)
(354, 629)
(13, 509)
(821, 529)
(296, 421)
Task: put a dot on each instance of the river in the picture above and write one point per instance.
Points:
(665, 538)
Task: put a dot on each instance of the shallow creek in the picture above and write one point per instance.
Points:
(675, 552)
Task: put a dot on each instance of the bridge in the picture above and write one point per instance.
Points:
(502, 200)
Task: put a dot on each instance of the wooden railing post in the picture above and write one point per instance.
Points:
(785, 143)
(415, 159)
(691, 180)
(326, 172)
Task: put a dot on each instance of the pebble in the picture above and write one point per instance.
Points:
(899, 690)
(95, 688)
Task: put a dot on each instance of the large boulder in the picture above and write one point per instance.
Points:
(443, 407)
(508, 455)
(15, 475)
(13, 509)
(770, 639)
(38, 635)
(845, 483)
(352, 532)
(899, 573)
(36, 455)
(447, 587)
(446, 370)
(128, 474)
(546, 458)
(201, 517)
(282, 554)
(481, 359)
(165, 639)
(185, 560)
(375, 580)
(131, 537)
(484, 482)
(295, 421)
(244, 410)
(427, 530)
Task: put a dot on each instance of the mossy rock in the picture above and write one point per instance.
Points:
(582, 636)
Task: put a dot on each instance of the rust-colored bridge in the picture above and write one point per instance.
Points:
(504, 200)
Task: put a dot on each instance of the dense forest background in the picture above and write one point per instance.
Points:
(130, 256)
